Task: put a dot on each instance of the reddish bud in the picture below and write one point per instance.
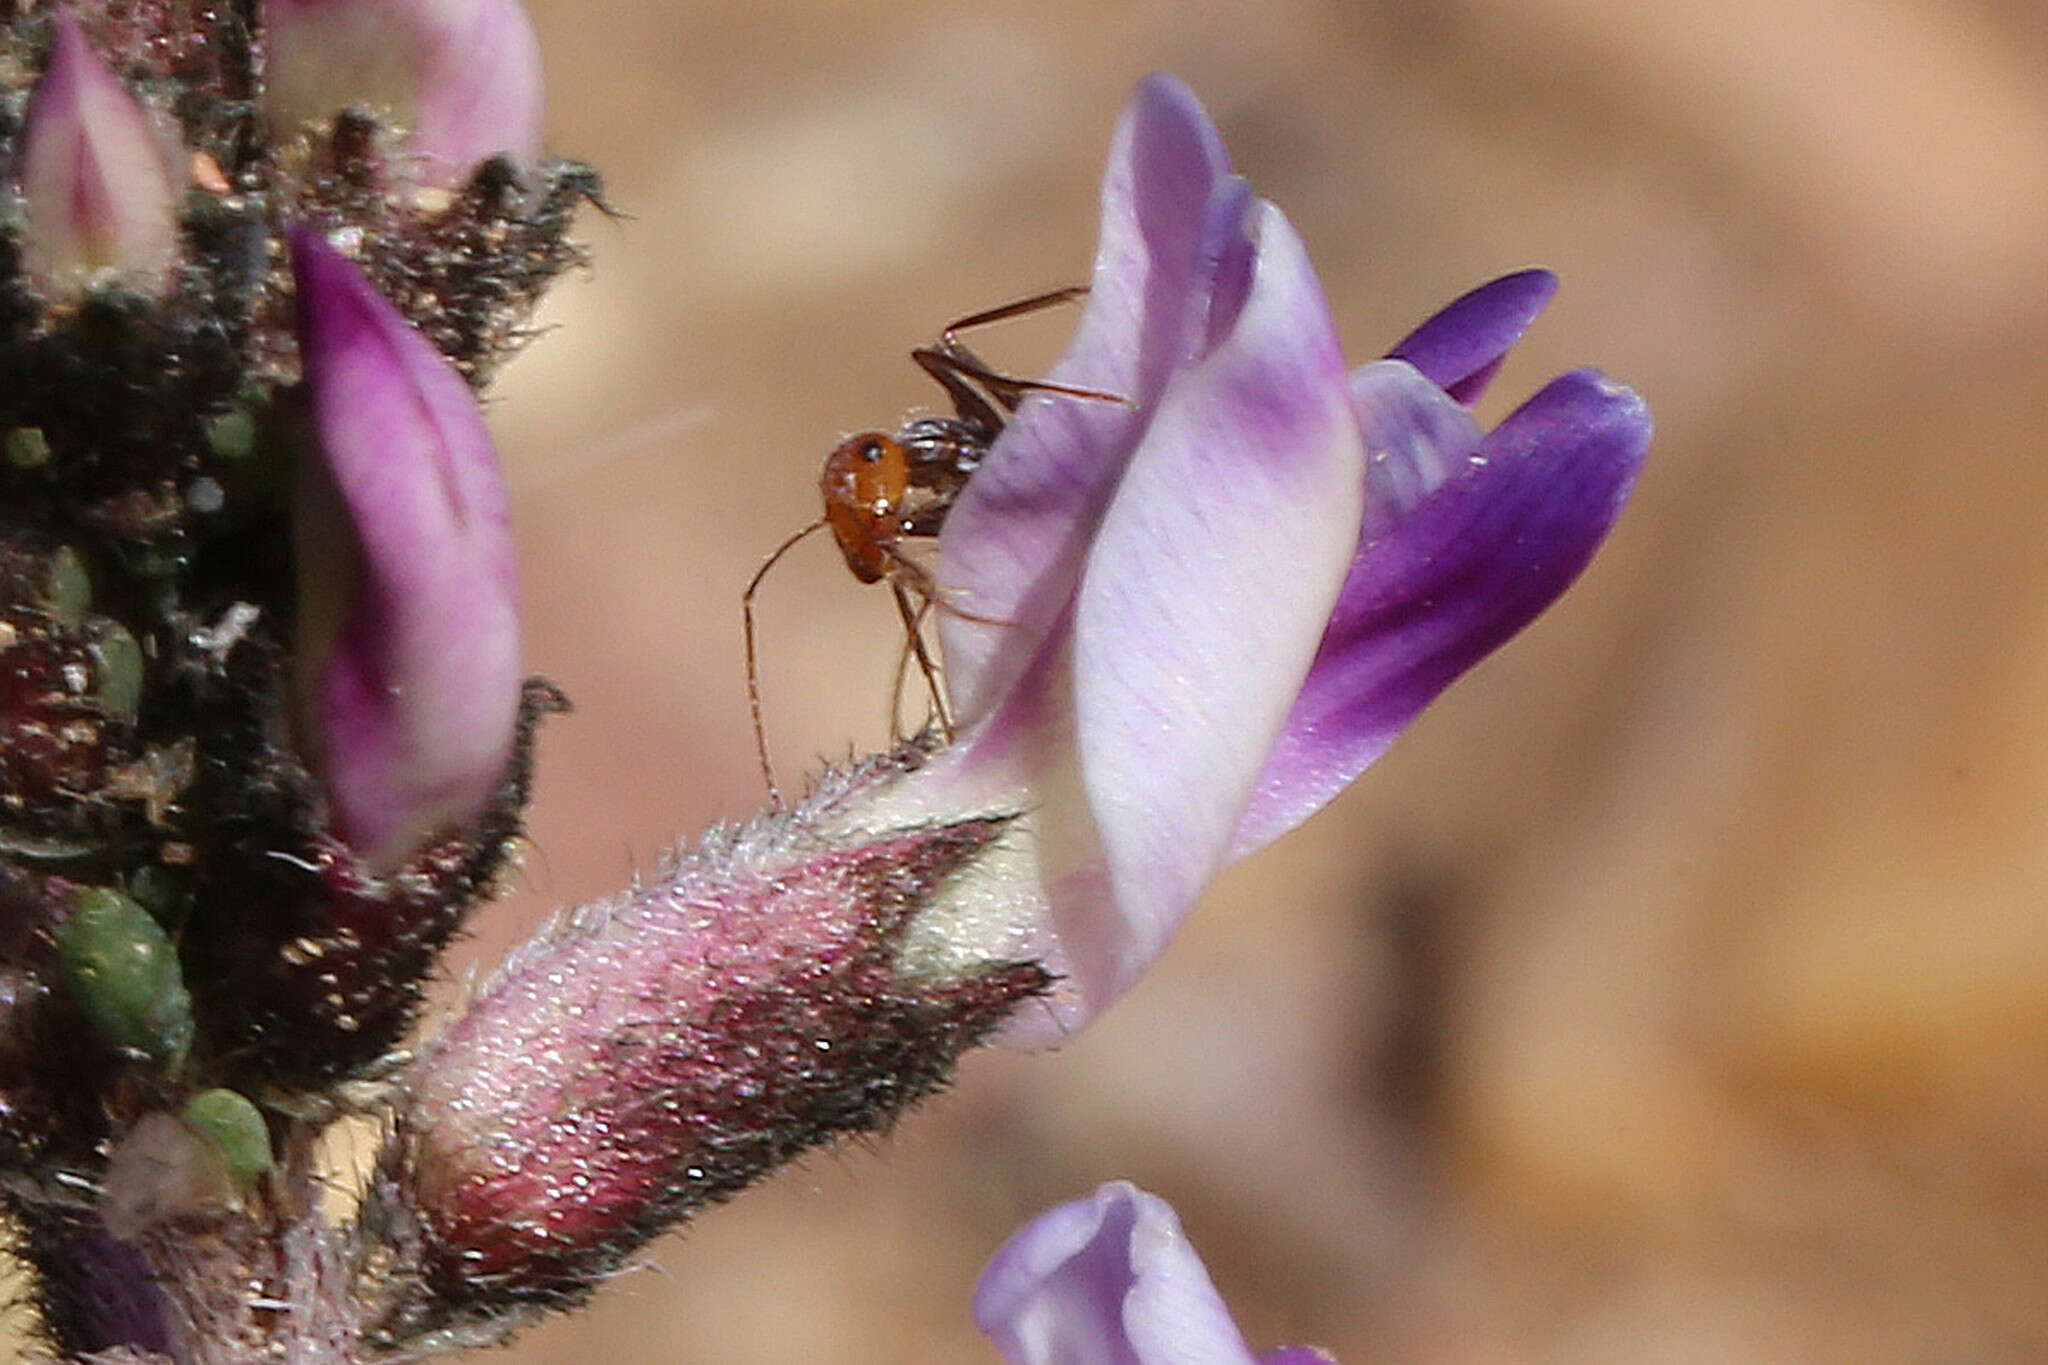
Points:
(661, 1052)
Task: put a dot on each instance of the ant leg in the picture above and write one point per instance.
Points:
(952, 365)
(897, 737)
(1006, 389)
(913, 635)
(913, 626)
(753, 669)
(919, 577)
(1051, 298)
(969, 403)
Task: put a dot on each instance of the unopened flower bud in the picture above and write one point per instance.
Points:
(97, 187)
(122, 970)
(234, 1129)
(461, 76)
(408, 616)
(659, 1053)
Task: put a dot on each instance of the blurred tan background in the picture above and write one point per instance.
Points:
(1678, 989)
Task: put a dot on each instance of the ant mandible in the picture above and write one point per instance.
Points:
(880, 488)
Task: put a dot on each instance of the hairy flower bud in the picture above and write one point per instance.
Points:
(97, 187)
(461, 76)
(658, 1053)
(409, 630)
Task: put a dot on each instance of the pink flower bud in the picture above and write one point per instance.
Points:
(461, 76)
(97, 186)
(408, 610)
(660, 1052)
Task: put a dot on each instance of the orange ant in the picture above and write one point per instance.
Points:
(881, 487)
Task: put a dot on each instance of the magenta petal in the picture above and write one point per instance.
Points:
(1462, 346)
(408, 604)
(1106, 1280)
(97, 193)
(1463, 572)
(1014, 540)
(1205, 595)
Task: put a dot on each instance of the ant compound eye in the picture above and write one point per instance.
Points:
(871, 450)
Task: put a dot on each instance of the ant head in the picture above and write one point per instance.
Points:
(863, 484)
(868, 472)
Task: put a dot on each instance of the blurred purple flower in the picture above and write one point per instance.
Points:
(462, 76)
(408, 616)
(1111, 1280)
(1175, 627)
(97, 188)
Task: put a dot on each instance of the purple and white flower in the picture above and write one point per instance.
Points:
(408, 658)
(1111, 1280)
(1175, 627)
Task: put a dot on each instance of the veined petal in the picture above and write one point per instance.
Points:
(1459, 576)
(1205, 594)
(410, 672)
(1106, 1280)
(1461, 348)
(1014, 540)
(96, 184)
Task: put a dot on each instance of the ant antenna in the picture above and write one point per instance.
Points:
(753, 666)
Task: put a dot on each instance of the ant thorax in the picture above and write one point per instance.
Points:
(944, 452)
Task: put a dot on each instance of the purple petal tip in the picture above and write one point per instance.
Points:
(1111, 1277)
(1462, 346)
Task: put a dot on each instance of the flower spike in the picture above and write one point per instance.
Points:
(409, 659)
